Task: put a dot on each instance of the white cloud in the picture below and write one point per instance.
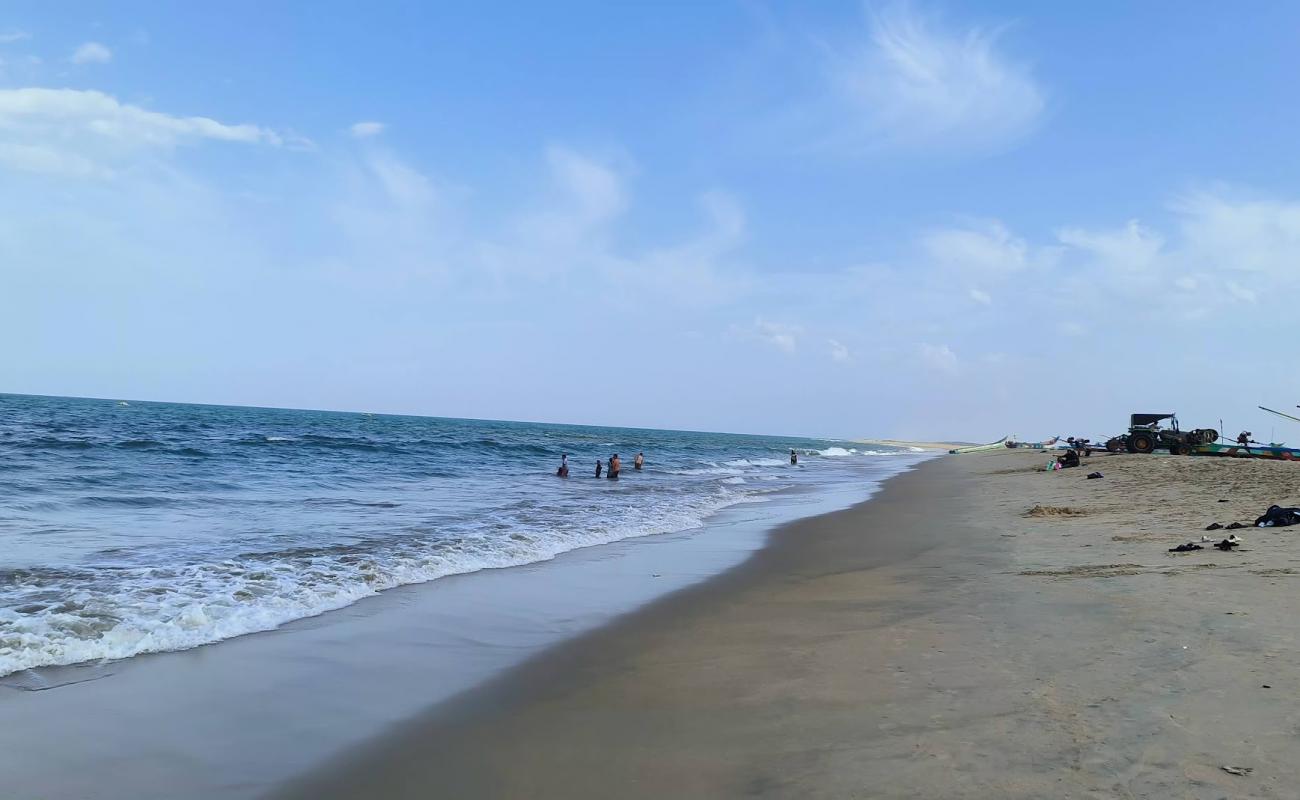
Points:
(1240, 292)
(839, 352)
(1249, 235)
(92, 53)
(12, 35)
(982, 297)
(1131, 248)
(365, 130)
(917, 87)
(587, 195)
(780, 335)
(83, 132)
(939, 358)
(989, 247)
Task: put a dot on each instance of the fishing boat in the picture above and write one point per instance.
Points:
(1273, 451)
(977, 448)
(1034, 445)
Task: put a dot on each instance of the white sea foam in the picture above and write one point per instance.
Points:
(836, 452)
(756, 462)
(122, 612)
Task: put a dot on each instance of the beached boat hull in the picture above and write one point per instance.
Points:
(977, 448)
(1050, 443)
(1252, 451)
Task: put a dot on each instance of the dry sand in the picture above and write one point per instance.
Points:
(938, 641)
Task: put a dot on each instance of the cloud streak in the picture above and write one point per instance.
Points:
(91, 53)
(83, 133)
(918, 87)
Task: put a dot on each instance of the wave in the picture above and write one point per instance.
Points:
(109, 613)
(714, 470)
(836, 452)
(757, 462)
(140, 444)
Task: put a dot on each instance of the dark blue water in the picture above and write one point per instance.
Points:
(140, 527)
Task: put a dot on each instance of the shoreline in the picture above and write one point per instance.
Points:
(295, 696)
(455, 746)
(940, 640)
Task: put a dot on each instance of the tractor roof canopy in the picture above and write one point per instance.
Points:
(1147, 419)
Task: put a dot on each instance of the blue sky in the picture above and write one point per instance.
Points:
(835, 219)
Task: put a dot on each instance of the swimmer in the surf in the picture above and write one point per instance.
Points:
(563, 471)
(638, 462)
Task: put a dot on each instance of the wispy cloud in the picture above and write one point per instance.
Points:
(1131, 247)
(92, 53)
(939, 357)
(11, 35)
(987, 247)
(84, 133)
(365, 130)
(779, 335)
(917, 86)
(839, 351)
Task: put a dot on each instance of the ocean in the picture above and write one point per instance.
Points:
(139, 527)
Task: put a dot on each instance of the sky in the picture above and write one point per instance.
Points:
(924, 220)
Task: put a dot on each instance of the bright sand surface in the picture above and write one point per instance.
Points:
(938, 641)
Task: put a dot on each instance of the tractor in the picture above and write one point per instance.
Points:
(1145, 435)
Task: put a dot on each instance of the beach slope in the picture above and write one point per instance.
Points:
(942, 640)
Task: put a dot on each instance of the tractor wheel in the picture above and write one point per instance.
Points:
(1180, 449)
(1142, 443)
(1113, 445)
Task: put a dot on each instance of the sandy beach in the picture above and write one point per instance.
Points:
(939, 640)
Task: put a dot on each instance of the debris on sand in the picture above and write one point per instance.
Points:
(1054, 511)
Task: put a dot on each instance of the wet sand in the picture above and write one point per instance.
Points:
(937, 641)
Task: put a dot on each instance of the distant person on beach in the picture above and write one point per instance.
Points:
(615, 467)
(794, 457)
(1243, 438)
(563, 471)
(638, 462)
(1069, 459)
(599, 465)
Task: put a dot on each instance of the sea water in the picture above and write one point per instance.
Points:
(129, 528)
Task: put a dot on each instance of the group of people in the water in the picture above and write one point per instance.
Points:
(615, 466)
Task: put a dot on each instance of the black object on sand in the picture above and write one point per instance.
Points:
(1278, 517)
(1213, 526)
(1236, 526)
(1186, 548)
(1094, 475)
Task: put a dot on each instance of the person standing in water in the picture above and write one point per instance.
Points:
(794, 457)
(615, 466)
(599, 465)
(563, 471)
(638, 462)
